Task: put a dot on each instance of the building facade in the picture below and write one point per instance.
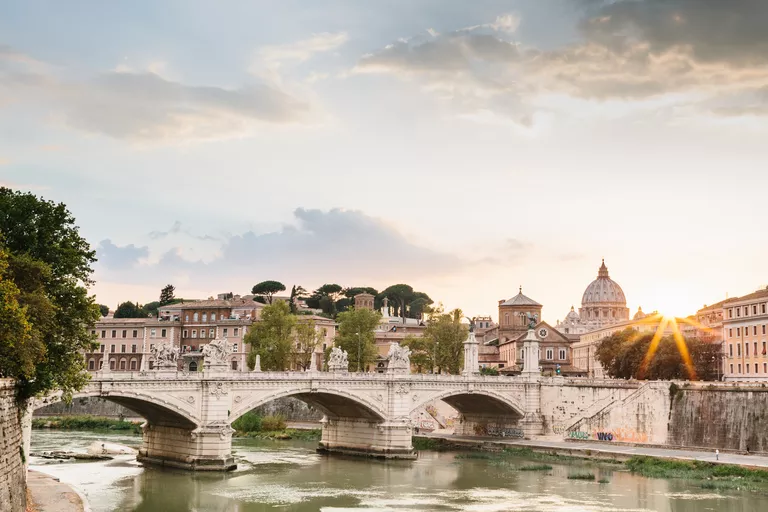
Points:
(513, 316)
(745, 341)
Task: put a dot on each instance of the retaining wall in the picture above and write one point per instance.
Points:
(12, 469)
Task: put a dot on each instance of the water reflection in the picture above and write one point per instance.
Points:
(292, 477)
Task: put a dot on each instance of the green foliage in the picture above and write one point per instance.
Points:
(406, 302)
(422, 353)
(272, 338)
(167, 294)
(307, 341)
(267, 289)
(603, 481)
(151, 308)
(536, 467)
(273, 423)
(248, 422)
(297, 292)
(425, 443)
(447, 334)
(489, 370)
(622, 355)
(104, 310)
(356, 336)
(130, 310)
(85, 423)
(581, 476)
(693, 470)
(50, 264)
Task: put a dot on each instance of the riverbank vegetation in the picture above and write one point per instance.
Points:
(94, 423)
(708, 475)
(254, 425)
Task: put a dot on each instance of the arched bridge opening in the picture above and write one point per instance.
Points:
(484, 413)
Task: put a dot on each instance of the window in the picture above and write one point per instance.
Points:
(125, 333)
(549, 354)
(562, 354)
(163, 333)
(738, 315)
(754, 330)
(135, 333)
(755, 352)
(738, 331)
(151, 365)
(755, 367)
(102, 349)
(205, 317)
(746, 349)
(225, 332)
(194, 333)
(746, 310)
(93, 332)
(234, 347)
(506, 318)
(193, 366)
(763, 328)
(325, 347)
(522, 353)
(202, 333)
(236, 330)
(91, 364)
(731, 368)
(186, 318)
(730, 313)
(739, 367)
(185, 333)
(212, 333)
(111, 348)
(122, 364)
(194, 317)
(763, 348)
(112, 364)
(754, 311)
(153, 333)
(114, 333)
(730, 350)
(122, 349)
(762, 308)
(234, 365)
(133, 348)
(730, 333)
(133, 364)
(738, 350)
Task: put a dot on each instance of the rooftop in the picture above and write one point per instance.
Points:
(520, 300)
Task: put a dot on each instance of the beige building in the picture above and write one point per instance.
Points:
(745, 320)
(326, 329)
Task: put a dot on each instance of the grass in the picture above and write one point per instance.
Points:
(536, 467)
(426, 443)
(289, 433)
(707, 474)
(603, 481)
(86, 423)
(581, 476)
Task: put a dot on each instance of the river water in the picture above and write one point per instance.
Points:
(290, 476)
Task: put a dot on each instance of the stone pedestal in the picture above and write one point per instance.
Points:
(471, 358)
(207, 448)
(531, 356)
(387, 440)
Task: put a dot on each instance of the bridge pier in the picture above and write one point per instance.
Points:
(206, 448)
(385, 440)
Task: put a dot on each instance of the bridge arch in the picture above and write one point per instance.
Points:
(476, 402)
(155, 410)
(334, 403)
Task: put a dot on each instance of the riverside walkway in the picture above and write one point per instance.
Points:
(609, 449)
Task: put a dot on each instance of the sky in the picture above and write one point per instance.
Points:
(465, 148)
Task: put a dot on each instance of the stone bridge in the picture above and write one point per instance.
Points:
(189, 414)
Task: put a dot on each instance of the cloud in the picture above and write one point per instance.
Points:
(629, 50)
(344, 245)
(270, 60)
(120, 258)
(176, 229)
(146, 107)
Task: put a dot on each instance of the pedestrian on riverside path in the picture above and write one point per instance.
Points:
(717, 454)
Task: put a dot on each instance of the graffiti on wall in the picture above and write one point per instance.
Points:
(494, 431)
(558, 429)
(623, 434)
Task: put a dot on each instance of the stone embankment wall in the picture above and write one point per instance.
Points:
(291, 408)
(723, 416)
(12, 470)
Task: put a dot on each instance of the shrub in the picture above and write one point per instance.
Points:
(581, 476)
(248, 422)
(272, 423)
(536, 467)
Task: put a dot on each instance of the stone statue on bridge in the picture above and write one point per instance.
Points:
(338, 360)
(398, 359)
(166, 356)
(533, 319)
(216, 355)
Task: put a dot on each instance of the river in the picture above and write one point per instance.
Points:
(290, 476)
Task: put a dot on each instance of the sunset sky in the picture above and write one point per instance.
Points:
(463, 147)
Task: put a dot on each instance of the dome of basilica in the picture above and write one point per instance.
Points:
(572, 316)
(603, 290)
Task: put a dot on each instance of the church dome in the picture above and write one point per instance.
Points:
(572, 316)
(639, 315)
(603, 290)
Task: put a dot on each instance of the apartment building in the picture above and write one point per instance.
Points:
(745, 341)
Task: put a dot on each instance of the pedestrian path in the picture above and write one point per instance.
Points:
(50, 495)
(621, 449)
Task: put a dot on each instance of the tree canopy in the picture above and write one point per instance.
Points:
(272, 337)
(267, 290)
(356, 336)
(50, 265)
(308, 338)
(406, 302)
(130, 310)
(622, 355)
(103, 309)
(445, 336)
(167, 294)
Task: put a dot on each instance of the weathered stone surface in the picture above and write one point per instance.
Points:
(12, 471)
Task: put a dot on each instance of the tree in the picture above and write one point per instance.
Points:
(130, 310)
(307, 341)
(445, 336)
(422, 353)
(50, 264)
(356, 336)
(104, 310)
(267, 289)
(167, 294)
(272, 337)
(297, 292)
(151, 308)
(20, 346)
(407, 302)
(324, 298)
